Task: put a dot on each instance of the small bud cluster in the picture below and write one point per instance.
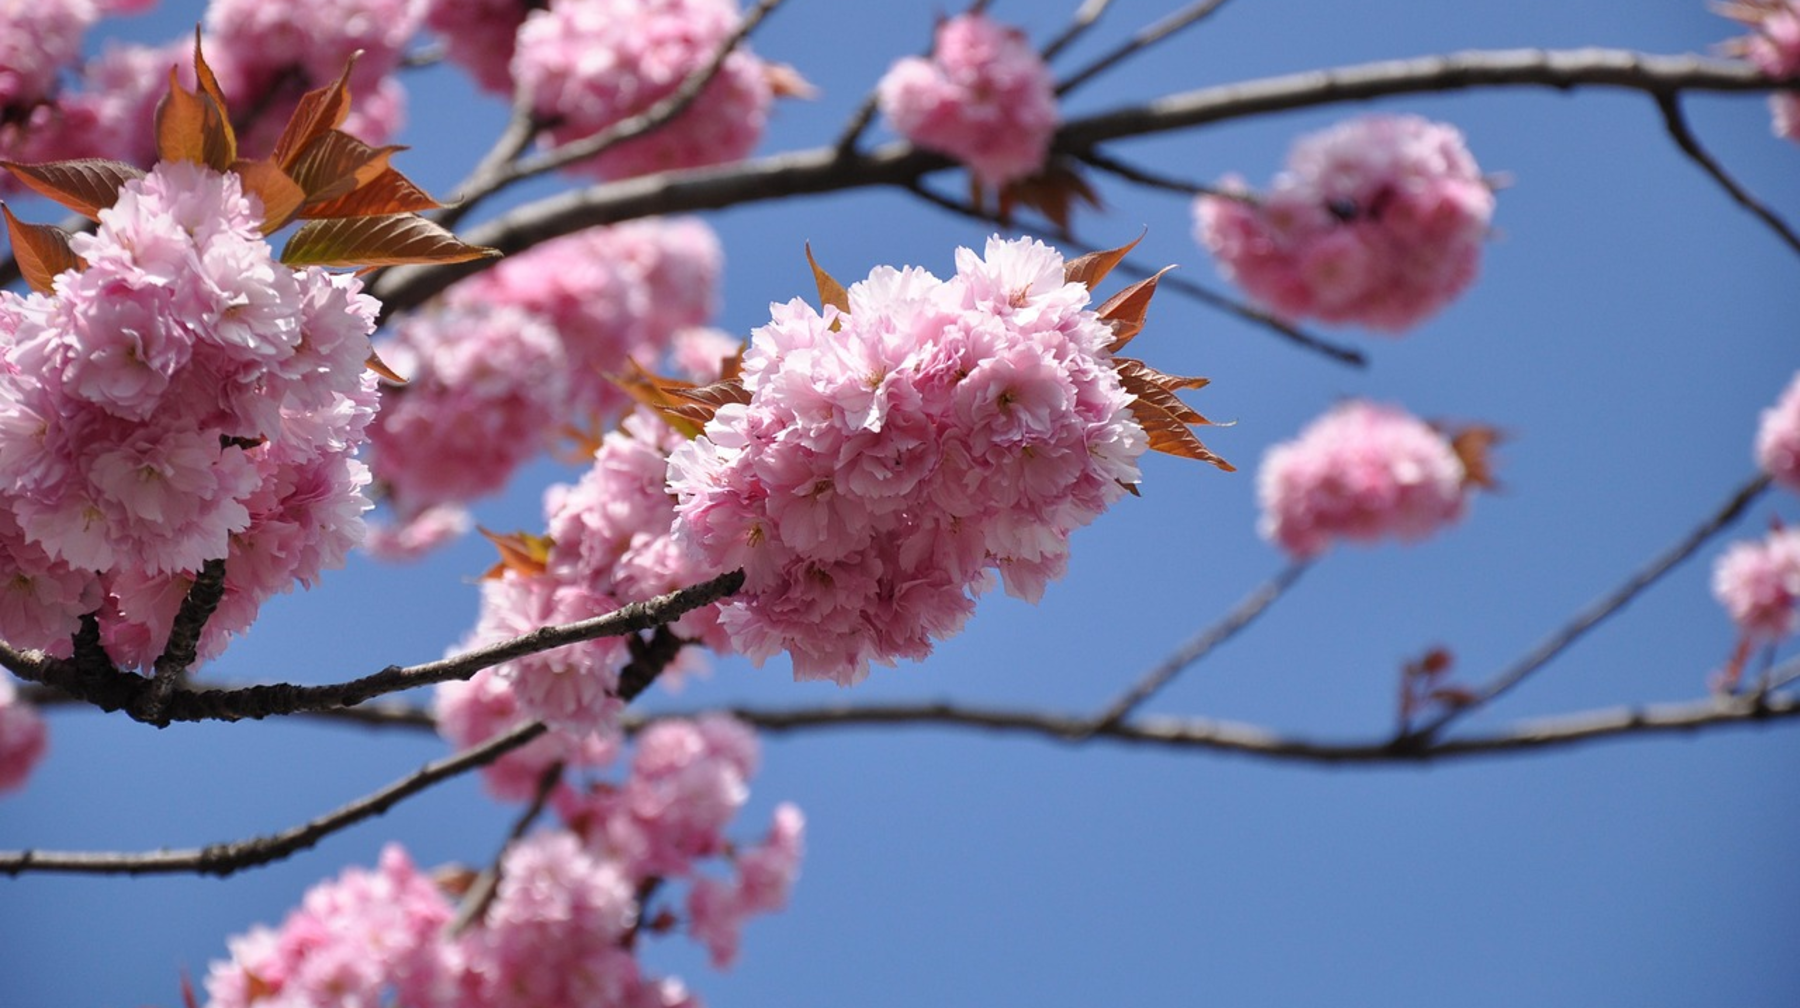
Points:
(1378, 221)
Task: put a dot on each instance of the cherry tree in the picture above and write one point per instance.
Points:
(948, 457)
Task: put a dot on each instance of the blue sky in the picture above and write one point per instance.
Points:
(1629, 326)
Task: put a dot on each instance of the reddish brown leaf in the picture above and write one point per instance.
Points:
(279, 194)
(376, 364)
(661, 395)
(387, 193)
(1474, 447)
(192, 127)
(787, 82)
(42, 251)
(1090, 269)
(336, 163)
(319, 110)
(830, 291)
(719, 393)
(1126, 310)
(1052, 192)
(733, 367)
(209, 86)
(388, 240)
(520, 552)
(86, 186)
(1164, 417)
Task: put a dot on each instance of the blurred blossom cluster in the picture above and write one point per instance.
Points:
(572, 908)
(1378, 221)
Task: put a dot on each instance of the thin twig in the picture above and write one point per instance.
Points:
(1192, 14)
(651, 118)
(1199, 647)
(486, 886)
(183, 645)
(495, 168)
(1180, 285)
(1156, 180)
(1676, 123)
(228, 858)
(1604, 607)
(826, 169)
(113, 690)
(1085, 18)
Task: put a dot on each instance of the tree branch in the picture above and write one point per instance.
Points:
(1193, 13)
(1676, 123)
(832, 169)
(1252, 740)
(228, 858)
(1604, 607)
(114, 690)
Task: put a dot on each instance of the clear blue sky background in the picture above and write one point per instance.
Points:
(1629, 326)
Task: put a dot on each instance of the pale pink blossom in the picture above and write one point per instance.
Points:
(1774, 46)
(468, 713)
(22, 737)
(587, 64)
(363, 940)
(1378, 221)
(422, 533)
(182, 399)
(894, 457)
(765, 874)
(1758, 583)
(479, 35)
(1778, 438)
(983, 97)
(1362, 472)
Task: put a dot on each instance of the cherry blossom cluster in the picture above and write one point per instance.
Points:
(38, 42)
(1378, 221)
(184, 398)
(265, 56)
(1774, 46)
(569, 912)
(610, 542)
(1362, 472)
(1758, 583)
(983, 97)
(587, 64)
(898, 449)
(22, 736)
(1778, 438)
(513, 356)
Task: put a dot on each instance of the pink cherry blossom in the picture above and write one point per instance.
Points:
(587, 64)
(1774, 46)
(471, 712)
(182, 399)
(479, 35)
(1758, 583)
(984, 97)
(717, 909)
(1377, 221)
(22, 737)
(1778, 438)
(1361, 472)
(357, 942)
(893, 457)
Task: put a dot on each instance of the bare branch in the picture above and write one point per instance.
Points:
(651, 118)
(1156, 180)
(829, 169)
(111, 689)
(1605, 606)
(228, 858)
(1251, 740)
(1676, 123)
(1199, 647)
(1192, 14)
(1085, 17)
